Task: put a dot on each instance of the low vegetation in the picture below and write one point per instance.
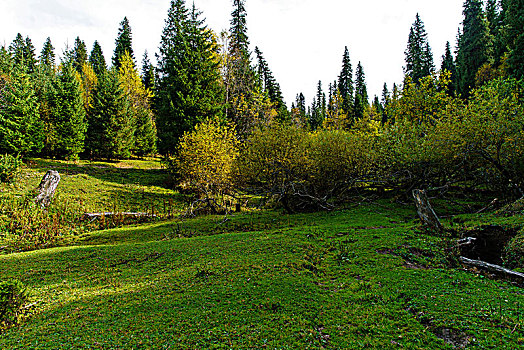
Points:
(364, 276)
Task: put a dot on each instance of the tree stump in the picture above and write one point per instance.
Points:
(426, 212)
(46, 189)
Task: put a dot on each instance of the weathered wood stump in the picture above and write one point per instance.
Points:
(426, 212)
(46, 189)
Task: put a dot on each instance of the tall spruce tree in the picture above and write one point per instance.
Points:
(240, 79)
(47, 56)
(139, 102)
(515, 37)
(345, 82)
(21, 131)
(110, 130)
(79, 54)
(23, 53)
(29, 55)
(148, 73)
(123, 43)
(448, 64)
(188, 86)
(67, 114)
(318, 108)
(419, 59)
(385, 102)
(97, 59)
(474, 47)
(361, 94)
(271, 87)
(17, 50)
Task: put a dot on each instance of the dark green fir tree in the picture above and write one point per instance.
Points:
(515, 38)
(419, 59)
(67, 115)
(123, 43)
(148, 73)
(47, 56)
(448, 64)
(361, 94)
(97, 59)
(21, 131)
(188, 87)
(110, 128)
(79, 55)
(271, 87)
(474, 46)
(345, 83)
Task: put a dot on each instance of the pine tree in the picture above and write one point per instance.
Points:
(140, 114)
(474, 47)
(67, 115)
(23, 53)
(189, 88)
(97, 59)
(123, 43)
(271, 87)
(345, 82)
(21, 131)
(385, 102)
(110, 130)
(240, 78)
(318, 108)
(29, 56)
(515, 38)
(448, 64)
(47, 56)
(17, 50)
(79, 54)
(148, 73)
(361, 94)
(419, 59)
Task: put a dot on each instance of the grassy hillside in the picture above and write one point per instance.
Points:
(363, 277)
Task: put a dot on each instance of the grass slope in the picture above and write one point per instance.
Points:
(353, 279)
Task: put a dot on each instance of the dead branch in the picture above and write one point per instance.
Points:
(491, 267)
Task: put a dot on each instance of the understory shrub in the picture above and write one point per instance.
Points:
(514, 252)
(13, 296)
(9, 167)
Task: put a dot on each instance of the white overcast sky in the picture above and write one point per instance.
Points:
(302, 40)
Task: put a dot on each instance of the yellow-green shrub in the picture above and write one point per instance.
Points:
(205, 158)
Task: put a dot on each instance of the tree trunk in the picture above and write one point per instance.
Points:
(46, 189)
(426, 212)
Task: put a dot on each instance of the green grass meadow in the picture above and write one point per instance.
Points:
(363, 277)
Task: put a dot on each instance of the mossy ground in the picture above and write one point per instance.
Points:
(362, 277)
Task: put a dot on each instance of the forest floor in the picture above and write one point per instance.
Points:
(365, 276)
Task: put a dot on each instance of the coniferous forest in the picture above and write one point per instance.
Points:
(209, 113)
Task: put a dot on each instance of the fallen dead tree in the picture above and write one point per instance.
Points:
(123, 215)
(491, 268)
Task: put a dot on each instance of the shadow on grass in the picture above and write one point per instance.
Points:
(116, 172)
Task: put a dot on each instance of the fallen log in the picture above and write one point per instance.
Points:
(491, 267)
(94, 216)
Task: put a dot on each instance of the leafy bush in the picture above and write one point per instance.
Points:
(13, 296)
(304, 170)
(205, 159)
(514, 252)
(9, 167)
